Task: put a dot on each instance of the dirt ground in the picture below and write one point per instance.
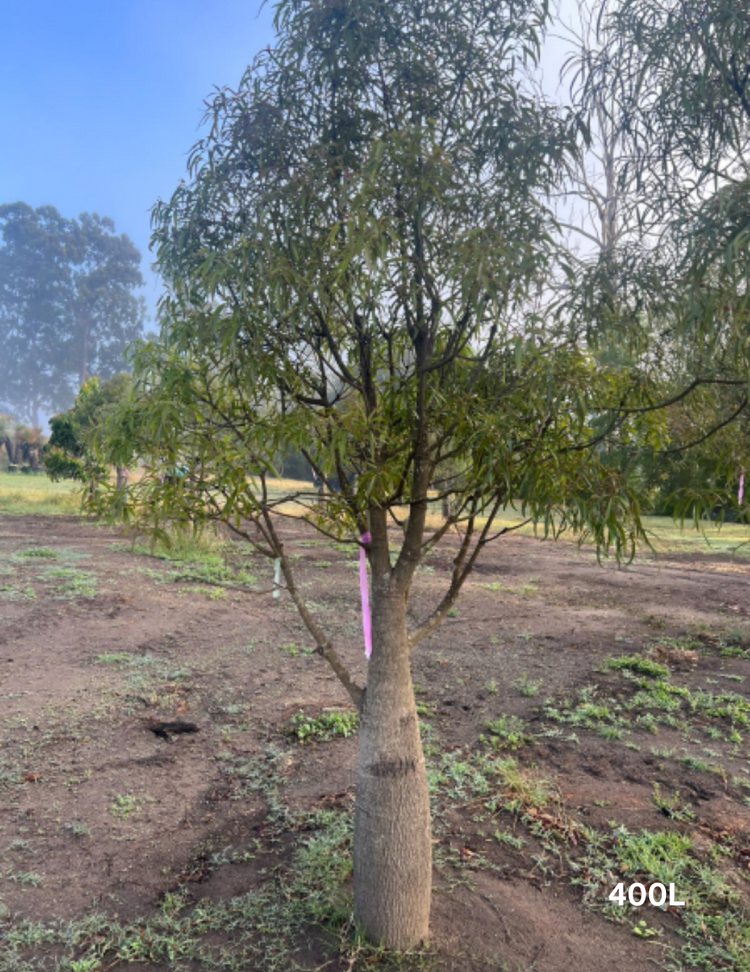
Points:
(99, 815)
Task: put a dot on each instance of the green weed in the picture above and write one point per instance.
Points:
(507, 732)
(322, 727)
(124, 805)
(638, 664)
(40, 553)
(528, 687)
(69, 582)
(671, 806)
(28, 878)
(714, 925)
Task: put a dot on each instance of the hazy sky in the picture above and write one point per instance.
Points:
(101, 99)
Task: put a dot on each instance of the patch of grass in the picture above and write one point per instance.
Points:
(10, 774)
(184, 546)
(611, 733)
(70, 582)
(124, 805)
(726, 706)
(669, 536)
(322, 727)
(289, 648)
(28, 878)
(671, 806)
(527, 686)
(638, 665)
(20, 846)
(78, 829)
(506, 732)
(589, 712)
(499, 780)
(659, 694)
(262, 929)
(734, 651)
(509, 839)
(13, 592)
(693, 763)
(212, 593)
(714, 925)
(40, 553)
(525, 789)
(525, 590)
(426, 710)
(202, 558)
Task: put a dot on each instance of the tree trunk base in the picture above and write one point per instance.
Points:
(392, 835)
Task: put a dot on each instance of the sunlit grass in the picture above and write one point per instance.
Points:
(667, 536)
(35, 493)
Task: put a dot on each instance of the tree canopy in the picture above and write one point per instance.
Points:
(68, 453)
(68, 306)
(678, 100)
(365, 266)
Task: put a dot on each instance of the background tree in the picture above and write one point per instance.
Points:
(68, 453)
(21, 444)
(67, 305)
(679, 104)
(361, 269)
(107, 313)
(35, 287)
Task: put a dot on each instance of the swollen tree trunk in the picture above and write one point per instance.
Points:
(392, 840)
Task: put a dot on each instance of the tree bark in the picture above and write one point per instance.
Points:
(392, 837)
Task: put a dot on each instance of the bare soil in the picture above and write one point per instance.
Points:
(99, 814)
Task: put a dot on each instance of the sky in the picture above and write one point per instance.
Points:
(102, 99)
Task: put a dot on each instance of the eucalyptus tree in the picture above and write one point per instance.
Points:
(359, 268)
(34, 291)
(68, 305)
(678, 98)
(106, 312)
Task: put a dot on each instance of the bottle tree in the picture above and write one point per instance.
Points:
(361, 268)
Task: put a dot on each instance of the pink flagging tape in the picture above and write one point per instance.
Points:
(365, 595)
(741, 490)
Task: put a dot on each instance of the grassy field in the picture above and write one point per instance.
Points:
(21, 494)
(669, 537)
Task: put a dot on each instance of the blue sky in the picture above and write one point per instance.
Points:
(102, 99)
